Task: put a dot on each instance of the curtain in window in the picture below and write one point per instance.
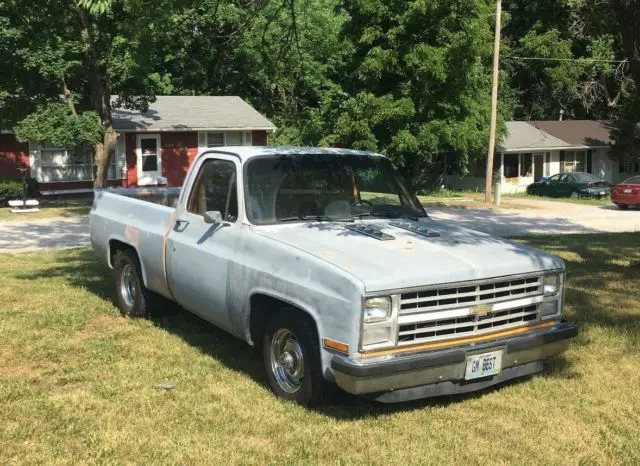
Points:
(62, 164)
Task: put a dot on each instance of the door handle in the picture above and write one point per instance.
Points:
(181, 224)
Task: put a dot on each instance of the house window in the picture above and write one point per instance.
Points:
(215, 139)
(574, 161)
(628, 166)
(228, 138)
(233, 139)
(59, 164)
(526, 166)
(511, 165)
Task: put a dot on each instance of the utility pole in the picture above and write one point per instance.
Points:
(494, 104)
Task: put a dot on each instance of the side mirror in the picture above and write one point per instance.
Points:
(213, 217)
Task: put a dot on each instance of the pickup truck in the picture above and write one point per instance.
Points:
(326, 261)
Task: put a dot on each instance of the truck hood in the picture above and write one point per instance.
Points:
(398, 258)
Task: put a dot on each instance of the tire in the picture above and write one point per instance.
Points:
(132, 298)
(622, 206)
(291, 356)
(575, 195)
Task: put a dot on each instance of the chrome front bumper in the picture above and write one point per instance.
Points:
(441, 372)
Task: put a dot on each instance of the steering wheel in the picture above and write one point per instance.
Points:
(362, 202)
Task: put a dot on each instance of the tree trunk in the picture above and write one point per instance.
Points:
(100, 100)
(102, 156)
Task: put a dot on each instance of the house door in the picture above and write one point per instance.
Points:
(538, 166)
(149, 160)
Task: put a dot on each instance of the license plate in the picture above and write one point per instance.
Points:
(627, 191)
(601, 193)
(483, 365)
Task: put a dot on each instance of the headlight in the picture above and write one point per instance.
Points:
(376, 310)
(551, 284)
(379, 326)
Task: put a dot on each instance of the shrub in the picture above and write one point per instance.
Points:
(12, 189)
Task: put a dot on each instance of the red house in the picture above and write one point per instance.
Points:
(159, 143)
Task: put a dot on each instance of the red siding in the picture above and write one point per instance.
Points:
(13, 155)
(130, 150)
(259, 138)
(178, 152)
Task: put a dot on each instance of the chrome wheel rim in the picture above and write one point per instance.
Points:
(128, 286)
(287, 360)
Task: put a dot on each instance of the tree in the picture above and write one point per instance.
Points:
(627, 132)
(82, 53)
(566, 48)
(418, 82)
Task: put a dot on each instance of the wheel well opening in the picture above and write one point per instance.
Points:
(263, 307)
(115, 246)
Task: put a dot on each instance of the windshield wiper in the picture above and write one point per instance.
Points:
(320, 218)
(387, 215)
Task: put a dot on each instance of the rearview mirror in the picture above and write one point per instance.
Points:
(212, 216)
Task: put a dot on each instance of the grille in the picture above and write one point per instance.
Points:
(469, 295)
(467, 325)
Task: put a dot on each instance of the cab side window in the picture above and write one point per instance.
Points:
(215, 189)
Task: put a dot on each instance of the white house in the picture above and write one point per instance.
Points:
(533, 149)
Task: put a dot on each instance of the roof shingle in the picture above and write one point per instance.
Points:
(521, 135)
(192, 113)
(588, 133)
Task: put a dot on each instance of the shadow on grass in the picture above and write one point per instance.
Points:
(594, 262)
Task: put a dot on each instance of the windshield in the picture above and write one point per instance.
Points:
(336, 187)
(585, 178)
(632, 180)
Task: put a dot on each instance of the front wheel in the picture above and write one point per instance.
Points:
(291, 355)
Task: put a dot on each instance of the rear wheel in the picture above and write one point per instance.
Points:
(575, 195)
(622, 206)
(132, 298)
(291, 355)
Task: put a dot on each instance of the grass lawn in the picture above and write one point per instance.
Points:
(77, 382)
(46, 211)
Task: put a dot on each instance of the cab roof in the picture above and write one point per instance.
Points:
(247, 152)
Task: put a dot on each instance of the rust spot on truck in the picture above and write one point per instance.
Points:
(132, 234)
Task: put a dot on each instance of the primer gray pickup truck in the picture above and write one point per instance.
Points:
(326, 260)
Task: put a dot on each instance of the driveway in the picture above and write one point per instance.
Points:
(47, 233)
(544, 217)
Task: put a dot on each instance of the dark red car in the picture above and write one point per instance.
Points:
(627, 193)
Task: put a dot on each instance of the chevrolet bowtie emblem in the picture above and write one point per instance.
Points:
(482, 310)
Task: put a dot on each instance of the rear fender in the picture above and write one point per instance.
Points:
(121, 241)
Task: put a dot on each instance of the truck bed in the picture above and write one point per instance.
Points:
(163, 196)
(140, 217)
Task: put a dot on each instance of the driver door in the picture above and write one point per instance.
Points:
(564, 186)
(199, 253)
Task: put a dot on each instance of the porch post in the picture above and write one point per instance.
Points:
(502, 166)
(519, 166)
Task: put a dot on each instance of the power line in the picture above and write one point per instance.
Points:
(592, 60)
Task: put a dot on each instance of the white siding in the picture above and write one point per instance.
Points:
(468, 183)
(554, 165)
(601, 164)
